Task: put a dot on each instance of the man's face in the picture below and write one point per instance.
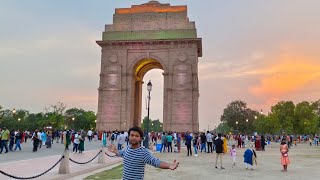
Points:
(134, 138)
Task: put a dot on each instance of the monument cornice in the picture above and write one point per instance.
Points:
(148, 44)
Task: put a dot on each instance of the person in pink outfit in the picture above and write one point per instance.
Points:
(284, 155)
(233, 154)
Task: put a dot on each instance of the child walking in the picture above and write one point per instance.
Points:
(284, 155)
(233, 154)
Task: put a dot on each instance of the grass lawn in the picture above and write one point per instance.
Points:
(114, 173)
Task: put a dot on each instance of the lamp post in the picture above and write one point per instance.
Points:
(73, 118)
(149, 88)
(261, 112)
(247, 120)
(237, 127)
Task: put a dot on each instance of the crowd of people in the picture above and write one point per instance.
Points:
(12, 140)
(209, 142)
(168, 142)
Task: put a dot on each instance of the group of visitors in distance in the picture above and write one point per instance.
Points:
(130, 145)
(169, 142)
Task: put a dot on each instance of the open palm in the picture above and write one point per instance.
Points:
(112, 148)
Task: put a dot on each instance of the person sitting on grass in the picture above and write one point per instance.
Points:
(135, 157)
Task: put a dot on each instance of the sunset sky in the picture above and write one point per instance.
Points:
(260, 52)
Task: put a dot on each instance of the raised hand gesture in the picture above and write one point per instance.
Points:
(112, 148)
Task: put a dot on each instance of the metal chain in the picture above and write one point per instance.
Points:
(87, 161)
(32, 177)
(110, 155)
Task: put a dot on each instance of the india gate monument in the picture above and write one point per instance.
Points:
(141, 38)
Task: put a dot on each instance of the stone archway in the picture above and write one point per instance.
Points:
(141, 38)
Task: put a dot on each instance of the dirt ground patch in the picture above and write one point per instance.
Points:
(305, 164)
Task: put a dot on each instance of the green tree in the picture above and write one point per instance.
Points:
(155, 125)
(267, 124)
(238, 117)
(34, 121)
(305, 118)
(223, 128)
(316, 106)
(80, 119)
(54, 115)
(283, 112)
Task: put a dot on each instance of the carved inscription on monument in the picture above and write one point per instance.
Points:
(182, 76)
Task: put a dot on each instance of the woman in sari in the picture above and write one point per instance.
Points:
(225, 144)
(104, 139)
(258, 144)
(67, 140)
(81, 145)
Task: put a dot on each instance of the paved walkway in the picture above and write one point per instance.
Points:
(36, 163)
(305, 164)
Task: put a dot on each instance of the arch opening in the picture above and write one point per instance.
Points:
(140, 69)
(145, 65)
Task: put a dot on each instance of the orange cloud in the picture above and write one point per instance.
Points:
(289, 74)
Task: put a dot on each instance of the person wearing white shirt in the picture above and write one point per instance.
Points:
(76, 142)
(89, 134)
(209, 141)
(126, 138)
(121, 140)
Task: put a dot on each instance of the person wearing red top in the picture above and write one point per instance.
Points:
(23, 137)
(72, 138)
(100, 135)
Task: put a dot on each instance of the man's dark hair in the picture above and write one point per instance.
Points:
(137, 129)
(219, 135)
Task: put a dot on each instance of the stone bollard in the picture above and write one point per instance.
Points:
(64, 164)
(102, 156)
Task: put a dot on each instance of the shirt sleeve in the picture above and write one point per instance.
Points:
(150, 159)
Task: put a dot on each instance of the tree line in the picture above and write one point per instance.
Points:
(284, 117)
(55, 117)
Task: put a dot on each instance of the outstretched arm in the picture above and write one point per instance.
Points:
(173, 166)
(153, 161)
